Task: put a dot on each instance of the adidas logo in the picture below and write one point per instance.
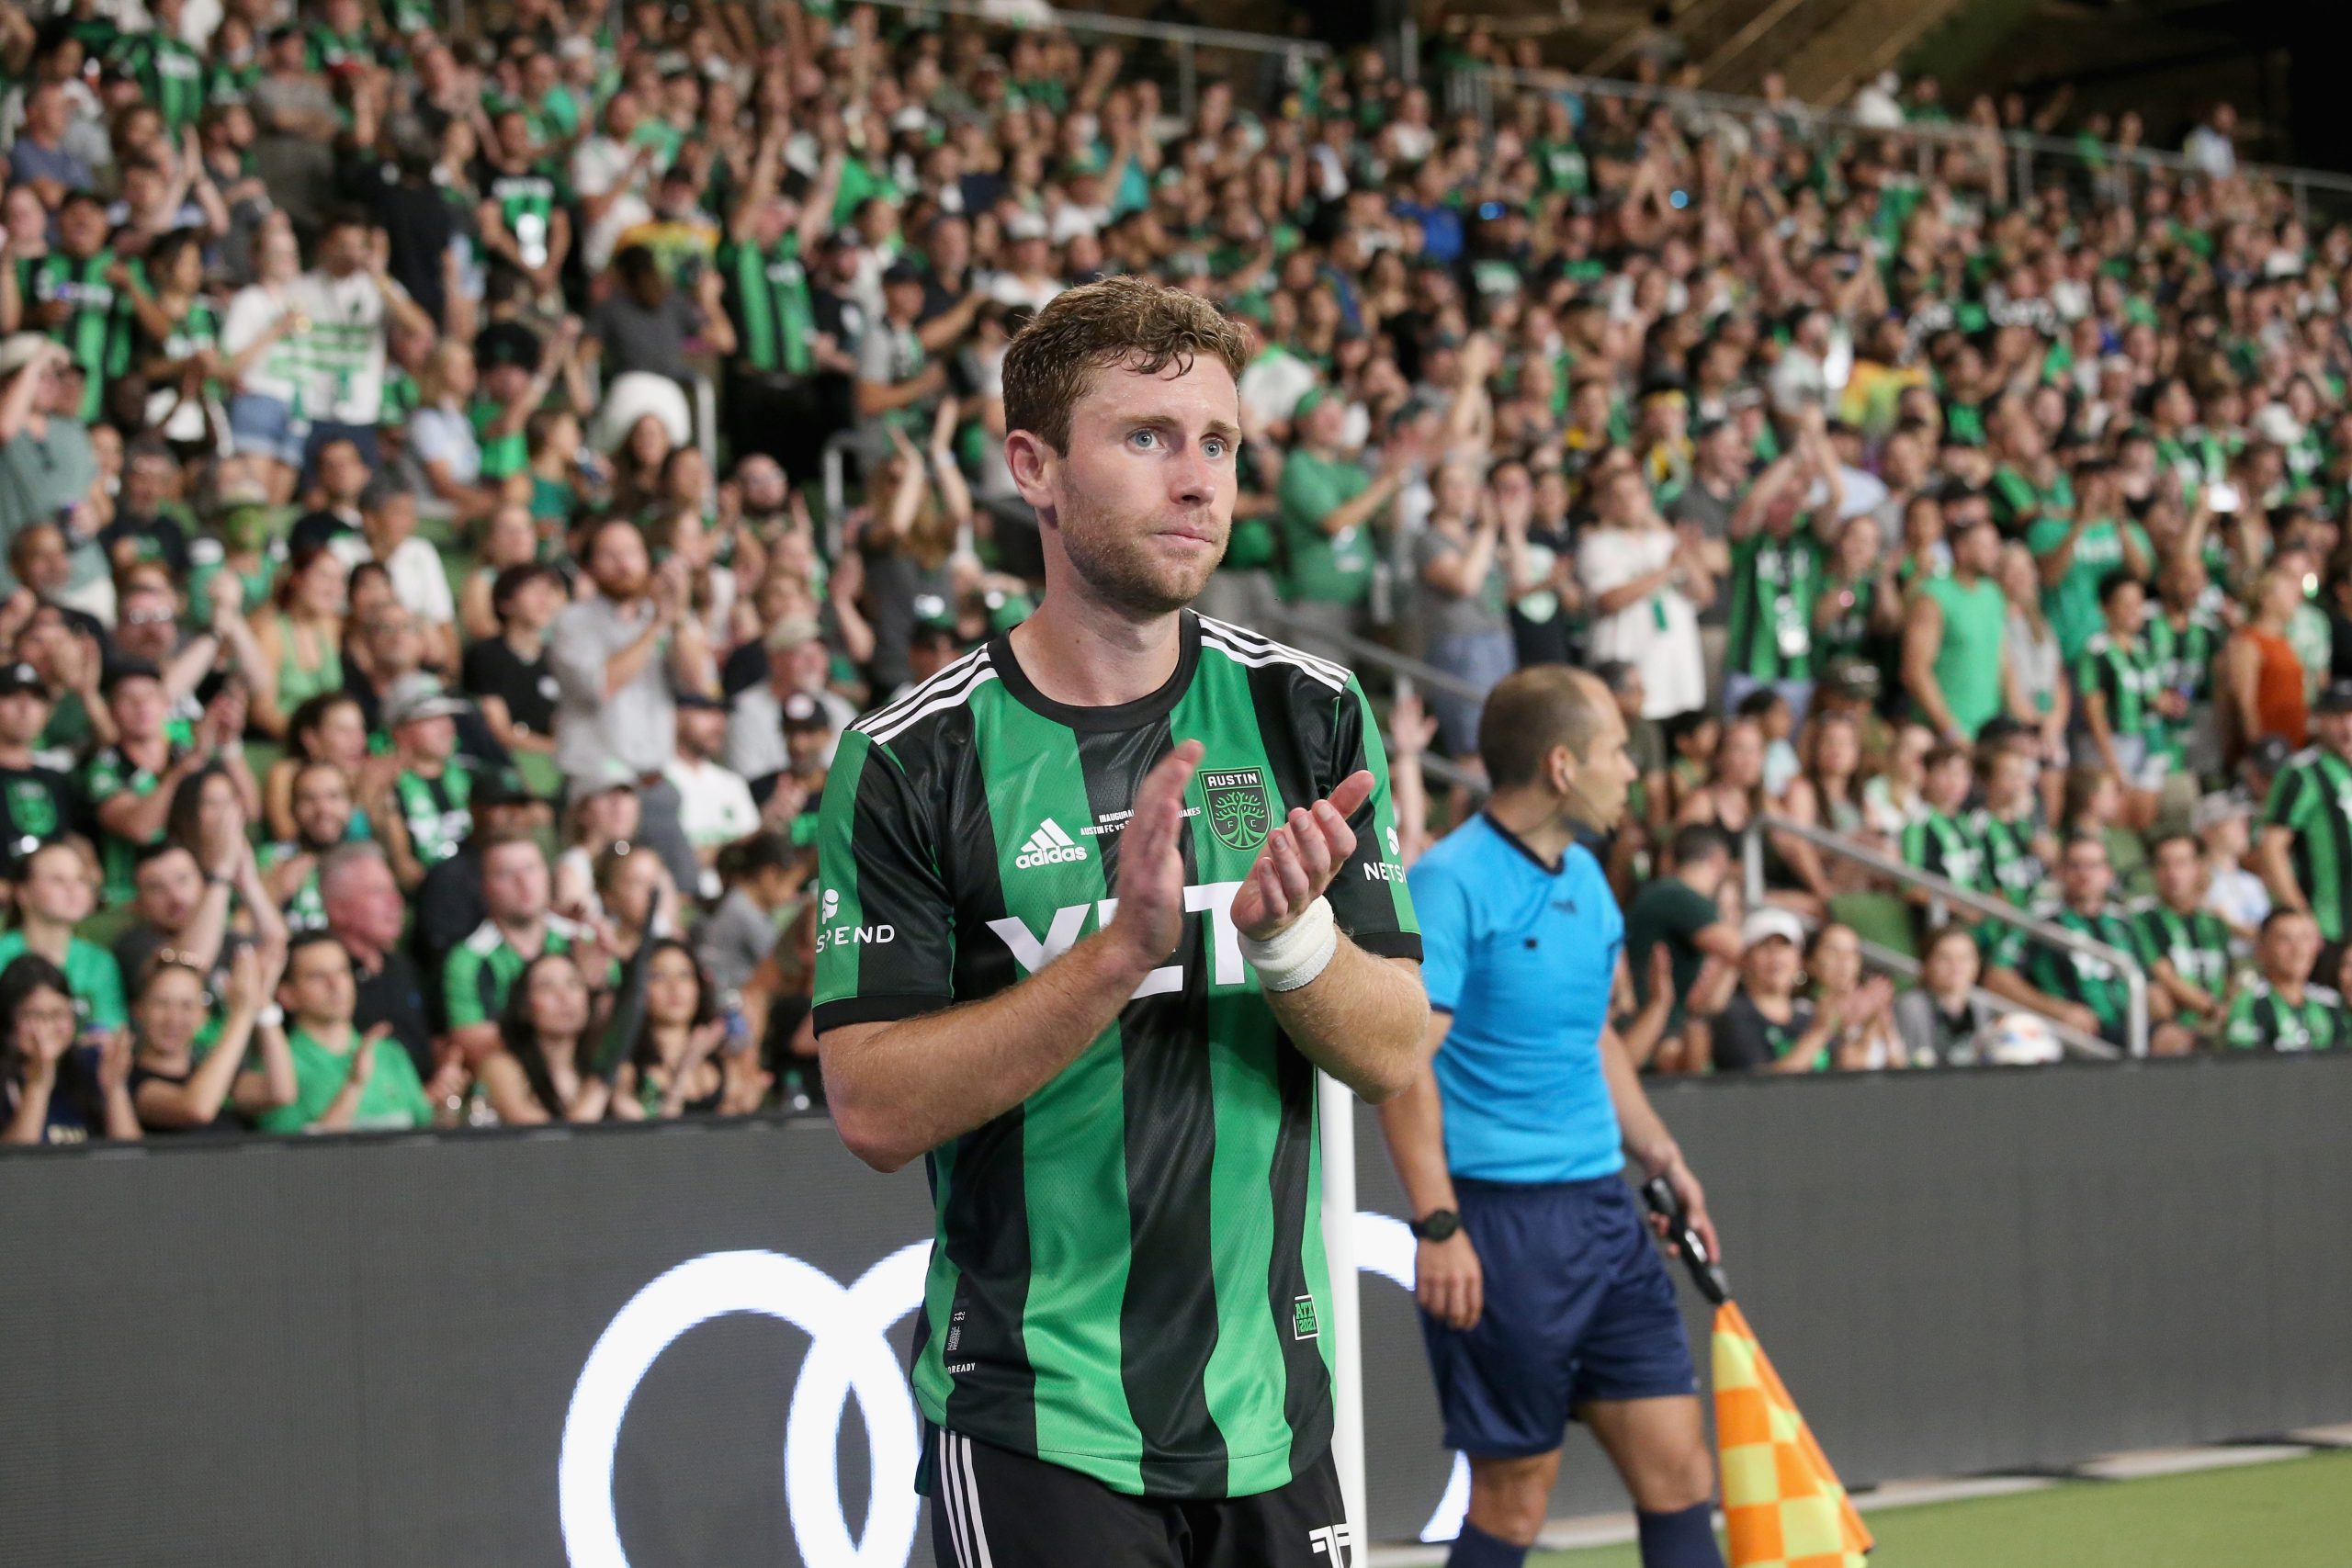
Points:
(1048, 846)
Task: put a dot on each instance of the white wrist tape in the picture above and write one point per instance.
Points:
(1299, 951)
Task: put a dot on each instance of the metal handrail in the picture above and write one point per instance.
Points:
(1128, 27)
(1945, 891)
(1815, 118)
(2075, 1039)
(1186, 40)
(1407, 673)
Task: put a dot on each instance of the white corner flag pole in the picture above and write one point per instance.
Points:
(1337, 1112)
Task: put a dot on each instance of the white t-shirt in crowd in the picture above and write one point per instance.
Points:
(1658, 635)
(277, 374)
(420, 583)
(597, 165)
(342, 355)
(713, 805)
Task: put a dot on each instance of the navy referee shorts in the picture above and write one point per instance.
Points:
(1578, 1307)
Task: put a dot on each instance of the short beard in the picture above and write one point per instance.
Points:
(1111, 557)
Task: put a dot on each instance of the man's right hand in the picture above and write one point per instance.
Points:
(1448, 1281)
(1151, 915)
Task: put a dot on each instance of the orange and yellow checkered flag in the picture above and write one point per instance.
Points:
(1781, 1500)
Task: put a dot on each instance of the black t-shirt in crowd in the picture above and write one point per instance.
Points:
(492, 668)
(448, 906)
(1745, 1040)
(395, 995)
(156, 538)
(35, 807)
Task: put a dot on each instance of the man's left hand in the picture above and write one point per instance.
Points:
(1299, 860)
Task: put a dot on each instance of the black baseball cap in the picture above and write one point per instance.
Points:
(2336, 698)
(22, 677)
(127, 668)
(504, 786)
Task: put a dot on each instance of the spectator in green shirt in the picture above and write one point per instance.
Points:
(1328, 502)
(344, 1080)
(56, 890)
(1679, 909)
(2074, 553)
(1955, 653)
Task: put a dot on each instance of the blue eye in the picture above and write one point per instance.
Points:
(1214, 445)
(1145, 435)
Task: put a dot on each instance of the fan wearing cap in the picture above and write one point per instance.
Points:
(36, 800)
(715, 806)
(897, 383)
(2307, 827)
(1765, 1024)
(798, 664)
(2224, 824)
(426, 813)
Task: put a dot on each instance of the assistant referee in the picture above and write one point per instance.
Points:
(1541, 1296)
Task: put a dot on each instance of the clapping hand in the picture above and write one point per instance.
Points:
(449, 1075)
(363, 1057)
(1411, 727)
(1299, 860)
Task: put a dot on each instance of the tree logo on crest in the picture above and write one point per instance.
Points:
(1239, 811)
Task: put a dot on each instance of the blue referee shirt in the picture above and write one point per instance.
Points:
(1522, 954)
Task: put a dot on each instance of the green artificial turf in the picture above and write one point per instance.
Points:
(2292, 1514)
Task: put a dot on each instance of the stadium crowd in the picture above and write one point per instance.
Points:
(404, 720)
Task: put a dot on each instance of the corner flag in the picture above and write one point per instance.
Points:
(1783, 1506)
(1782, 1503)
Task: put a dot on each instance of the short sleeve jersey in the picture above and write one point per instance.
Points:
(1127, 1277)
(2262, 1020)
(1523, 956)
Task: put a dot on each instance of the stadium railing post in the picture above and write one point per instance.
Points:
(1337, 1112)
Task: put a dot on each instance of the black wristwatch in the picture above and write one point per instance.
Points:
(1438, 1224)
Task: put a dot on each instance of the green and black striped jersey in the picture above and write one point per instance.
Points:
(2312, 795)
(2184, 654)
(170, 76)
(1773, 584)
(2262, 1020)
(1127, 1277)
(2006, 857)
(1943, 846)
(95, 329)
(2196, 944)
(476, 976)
(2125, 676)
(2072, 975)
(767, 298)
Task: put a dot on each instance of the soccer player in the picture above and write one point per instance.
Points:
(1095, 901)
(1542, 1297)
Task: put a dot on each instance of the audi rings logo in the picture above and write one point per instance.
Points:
(848, 1358)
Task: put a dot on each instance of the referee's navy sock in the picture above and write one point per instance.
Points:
(1682, 1540)
(1474, 1548)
